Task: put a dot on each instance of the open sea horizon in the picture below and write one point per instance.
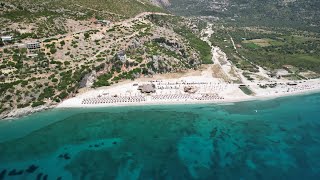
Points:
(270, 139)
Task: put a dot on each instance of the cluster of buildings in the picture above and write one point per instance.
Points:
(31, 46)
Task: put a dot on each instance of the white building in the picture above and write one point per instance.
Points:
(20, 45)
(103, 22)
(33, 45)
(6, 38)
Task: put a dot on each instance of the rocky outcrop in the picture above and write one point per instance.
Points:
(88, 79)
(25, 111)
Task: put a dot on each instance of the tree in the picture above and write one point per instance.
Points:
(86, 35)
(63, 95)
(53, 50)
(38, 103)
(62, 43)
(1, 43)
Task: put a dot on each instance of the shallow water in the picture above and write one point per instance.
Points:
(275, 139)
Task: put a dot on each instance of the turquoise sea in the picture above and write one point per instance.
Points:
(274, 139)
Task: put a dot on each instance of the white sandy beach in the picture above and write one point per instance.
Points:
(172, 91)
(167, 92)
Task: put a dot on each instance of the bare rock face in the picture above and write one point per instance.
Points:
(25, 111)
(88, 79)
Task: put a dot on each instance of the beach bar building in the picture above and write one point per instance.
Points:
(147, 88)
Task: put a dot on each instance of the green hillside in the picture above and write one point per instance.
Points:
(304, 15)
(126, 8)
(49, 18)
(75, 8)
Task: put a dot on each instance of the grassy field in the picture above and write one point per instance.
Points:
(305, 60)
(251, 45)
(265, 42)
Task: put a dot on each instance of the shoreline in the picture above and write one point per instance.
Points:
(170, 89)
(18, 113)
(249, 99)
(217, 91)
